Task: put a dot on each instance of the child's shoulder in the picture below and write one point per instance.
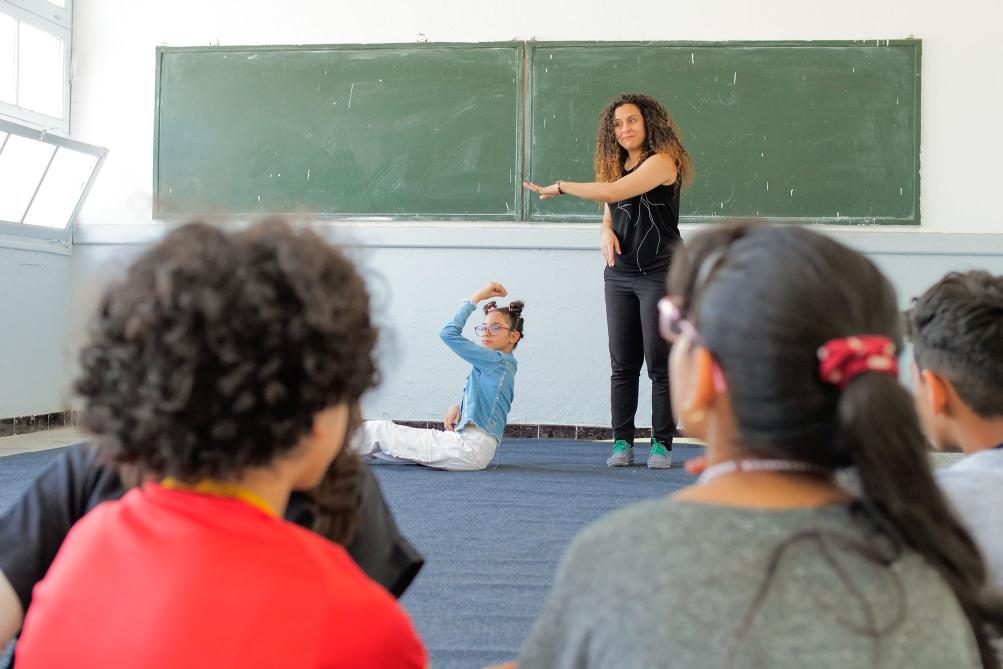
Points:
(384, 635)
(323, 553)
(507, 360)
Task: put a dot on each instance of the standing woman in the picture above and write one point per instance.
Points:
(640, 166)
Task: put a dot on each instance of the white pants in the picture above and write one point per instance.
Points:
(468, 449)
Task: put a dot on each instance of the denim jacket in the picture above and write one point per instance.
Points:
(490, 388)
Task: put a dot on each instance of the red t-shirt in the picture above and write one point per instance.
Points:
(166, 578)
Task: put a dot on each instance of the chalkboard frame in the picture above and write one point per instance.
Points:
(527, 50)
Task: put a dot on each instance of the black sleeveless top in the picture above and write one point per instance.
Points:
(647, 226)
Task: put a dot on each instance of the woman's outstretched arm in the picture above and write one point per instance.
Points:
(658, 169)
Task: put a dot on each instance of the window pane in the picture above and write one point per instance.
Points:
(21, 166)
(58, 3)
(40, 71)
(61, 189)
(8, 59)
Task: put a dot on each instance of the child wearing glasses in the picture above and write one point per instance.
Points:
(474, 427)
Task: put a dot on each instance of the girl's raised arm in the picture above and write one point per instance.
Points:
(452, 332)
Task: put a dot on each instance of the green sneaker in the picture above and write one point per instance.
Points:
(659, 457)
(622, 455)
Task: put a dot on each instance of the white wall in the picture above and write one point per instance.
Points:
(34, 323)
(563, 365)
(962, 88)
(419, 271)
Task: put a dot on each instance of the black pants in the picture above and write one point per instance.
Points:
(632, 322)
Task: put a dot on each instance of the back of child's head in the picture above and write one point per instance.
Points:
(216, 350)
(956, 327)
(514, 314)
(765, 300)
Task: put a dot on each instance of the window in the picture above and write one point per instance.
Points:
(35, 49)
(46, 179)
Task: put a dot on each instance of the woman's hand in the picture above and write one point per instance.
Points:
(546, 192)
(490, 289)
(451, 418)
(610, 246)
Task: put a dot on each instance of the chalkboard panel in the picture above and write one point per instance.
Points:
(800, 132)
(387, 130)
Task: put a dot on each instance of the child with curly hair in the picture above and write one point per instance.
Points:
(223, 373)
(473, 428)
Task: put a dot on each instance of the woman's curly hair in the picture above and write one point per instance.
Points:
(216, 350)
(661, 136)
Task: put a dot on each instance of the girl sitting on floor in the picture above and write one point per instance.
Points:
(474, 427)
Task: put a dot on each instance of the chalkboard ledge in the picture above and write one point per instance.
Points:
(905, 240)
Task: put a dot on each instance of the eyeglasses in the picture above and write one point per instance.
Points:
(673, 326)
(494, 329)
(671, 323)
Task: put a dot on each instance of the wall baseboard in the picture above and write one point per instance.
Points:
(16, 425)
(546, 430)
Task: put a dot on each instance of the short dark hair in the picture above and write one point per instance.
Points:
(956, 328)
(216, 350)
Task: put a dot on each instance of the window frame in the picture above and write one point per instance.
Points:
(62, 16)
(42, 232)
(57, 22)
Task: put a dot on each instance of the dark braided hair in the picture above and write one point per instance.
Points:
(338, 496)
(514, 313)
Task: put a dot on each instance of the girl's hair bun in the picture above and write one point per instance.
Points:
(515, 308)
(490, 306)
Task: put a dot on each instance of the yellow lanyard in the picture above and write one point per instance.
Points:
(220, 489)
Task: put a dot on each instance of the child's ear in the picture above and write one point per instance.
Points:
(935, 387)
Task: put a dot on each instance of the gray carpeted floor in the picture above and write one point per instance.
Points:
(17, 471)
(491, 539)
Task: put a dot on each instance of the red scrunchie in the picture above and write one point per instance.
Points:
(842, 360)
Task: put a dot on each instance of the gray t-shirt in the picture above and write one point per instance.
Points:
(974, 486)
(672, 584)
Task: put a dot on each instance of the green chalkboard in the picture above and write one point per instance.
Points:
(797, 131)
(789, 131)
(386, 130)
